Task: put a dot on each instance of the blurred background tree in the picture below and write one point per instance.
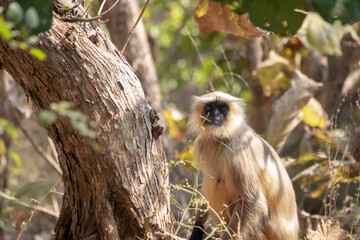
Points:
(300, 77)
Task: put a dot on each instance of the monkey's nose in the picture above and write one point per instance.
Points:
(216, 113)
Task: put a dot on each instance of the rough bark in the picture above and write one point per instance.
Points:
(138, 51)
(122, 191)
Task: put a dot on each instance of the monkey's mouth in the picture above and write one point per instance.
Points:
(215, 123)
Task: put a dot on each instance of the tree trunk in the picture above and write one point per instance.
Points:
(260, 104)
(339, 68)
(122, 191)
(138, 51)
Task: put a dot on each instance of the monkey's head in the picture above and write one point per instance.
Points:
(216, 114)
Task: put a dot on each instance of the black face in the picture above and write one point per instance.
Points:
(215, 113)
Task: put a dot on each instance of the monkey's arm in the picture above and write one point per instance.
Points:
(200, 219)
(234, 222)
(241, 225)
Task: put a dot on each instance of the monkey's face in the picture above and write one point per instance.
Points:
(215, 113)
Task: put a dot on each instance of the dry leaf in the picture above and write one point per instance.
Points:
(272, 76)
(352, 82)
(287, 109)
(328, 230)
(317, 34)
(212, 16)
(314, 115)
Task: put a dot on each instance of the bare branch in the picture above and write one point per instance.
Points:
(136, 23)
(44, 210)
(47, 158)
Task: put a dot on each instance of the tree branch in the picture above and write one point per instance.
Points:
(17, 201)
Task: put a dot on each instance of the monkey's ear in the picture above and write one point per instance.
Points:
(241, 107)
(241, 102)
(195, 100)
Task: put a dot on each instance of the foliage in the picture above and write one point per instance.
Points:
(313, 30)
(280, 17)
(33, 16)
(288, 107)
(178, 63)
(12, 34)
(347, 11)
(6, 127)
(79, 120)
(212, 16)
(314, 115)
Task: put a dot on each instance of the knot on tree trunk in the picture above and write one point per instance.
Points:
(156, 128)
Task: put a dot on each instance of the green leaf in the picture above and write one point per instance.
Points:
(31, 18)
(47, 117)
(15, 13)
(66, 8)
(278, 16)
(79, 120)
(33, 39)
(96, 147)
(43, 12)
(37, 53)
(34, 189)
(347, 11)
(62, 107)
(5, 30)
(8, 127)
(16, 158)
(23, 46)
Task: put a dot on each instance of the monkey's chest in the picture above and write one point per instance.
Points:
(218, 195)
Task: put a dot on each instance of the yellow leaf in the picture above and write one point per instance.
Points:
(321, 135)
(171, 123)
(16, 158)
(319, 191)
(307, 157)
(342, 174)
(271, 75)
(202, 9)
(2, 148)
(176, 123)
(314, 115)
(188, 157)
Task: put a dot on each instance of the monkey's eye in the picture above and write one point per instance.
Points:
(223, 108)
(207, 108)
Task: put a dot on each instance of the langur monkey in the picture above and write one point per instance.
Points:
(244, 180)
